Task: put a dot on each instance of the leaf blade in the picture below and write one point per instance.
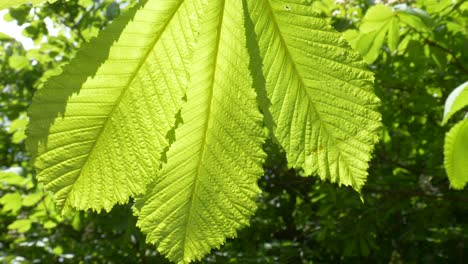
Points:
(108, 143)
(302, 62)
(207, 189)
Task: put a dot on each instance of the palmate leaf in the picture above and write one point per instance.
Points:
(322, 101)
(106, 144)
(99, 131)
(456, 160)
(208, 188)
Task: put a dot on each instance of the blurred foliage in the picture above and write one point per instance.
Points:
(417, 50)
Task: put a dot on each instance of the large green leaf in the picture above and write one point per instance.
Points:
(99, 131)
(456, 158)
(322, 100)
(98, 140)
(457, 100)
(208, 188)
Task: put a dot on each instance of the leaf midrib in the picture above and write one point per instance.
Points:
(204, 139)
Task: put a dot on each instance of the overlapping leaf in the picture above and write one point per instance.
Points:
(321, 95)
(207, 189)
(109, 130)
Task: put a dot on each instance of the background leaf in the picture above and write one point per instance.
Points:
(457, 100)
(379, 23)
(414, 17)
(456, 160)
(21, 225)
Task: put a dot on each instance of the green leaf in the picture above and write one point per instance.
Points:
(377, 18)
(321, 94)
(414, 17)
(11, 202)
(99, 140)
(19, 123)
(393, 35)
(11, 178)
(208, 187)
(33, 198)
(5, 37)
(456, 160)
(439, 57)
(18, 127)
(18, 62)
(371, 44)
(49, 224)
(457, 100)
(21, 225)
(58, 250)
(379, 21)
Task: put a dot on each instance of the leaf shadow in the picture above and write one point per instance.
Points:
(256, 69)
